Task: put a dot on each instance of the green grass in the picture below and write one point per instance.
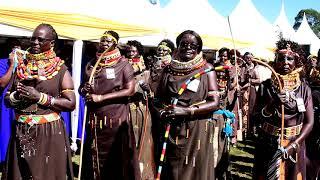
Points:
(242, 158)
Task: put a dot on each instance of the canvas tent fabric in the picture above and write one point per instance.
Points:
(73, 26)
(281, 25)
(305, 36)
(250, 26)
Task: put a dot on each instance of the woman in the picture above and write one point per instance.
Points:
(42, 87)
(248, 81)
(190, 153)
(139, 111)
(298, 116)
(313, 140)
(110, 151)
(161, 60)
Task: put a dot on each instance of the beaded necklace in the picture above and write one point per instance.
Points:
(289, 81)
(182, 68)
(109, 59)
(40, 66)
(137, 64)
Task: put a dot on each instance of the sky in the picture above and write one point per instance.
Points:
(268, 8)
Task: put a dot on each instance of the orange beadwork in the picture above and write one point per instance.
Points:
(289, 81)
(41, 66)
(109, 59)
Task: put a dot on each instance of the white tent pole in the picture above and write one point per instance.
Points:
(76, 76)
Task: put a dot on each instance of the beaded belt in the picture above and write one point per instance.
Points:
(276, 131)
(38, 119)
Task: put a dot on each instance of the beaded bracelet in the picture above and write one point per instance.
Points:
(45, 99)
(67, 90)
(264, 115)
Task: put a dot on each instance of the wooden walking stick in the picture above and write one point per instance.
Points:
(239, 132)
(85, 110)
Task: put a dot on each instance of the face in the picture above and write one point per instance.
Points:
(162, 51)
(132, 52)
(105, 43)
(248, 58)
(224, 56)
(187, 49)
(313, 62)
(285, 64)
(41, 40)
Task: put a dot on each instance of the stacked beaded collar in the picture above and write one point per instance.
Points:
(137, 64)
(289, 81)
(110, 58)
(41, 66)
(182, 68)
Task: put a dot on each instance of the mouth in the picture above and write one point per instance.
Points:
(35, 49)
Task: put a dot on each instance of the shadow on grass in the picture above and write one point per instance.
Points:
(242, 159)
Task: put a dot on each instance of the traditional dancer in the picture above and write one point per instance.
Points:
(287, 161)
(313, 140)
(189, 152)
(42, 87)
(110, 148)
(139, 111)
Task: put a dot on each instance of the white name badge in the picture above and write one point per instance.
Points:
(110, 73)
(193, 85)
(300, 104)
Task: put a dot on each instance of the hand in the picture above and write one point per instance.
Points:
(28, 92)
(11, 59)
(291, 150)
(283, 97)
(93, 98)
(144, 86)
(176, 111)
(87, 88)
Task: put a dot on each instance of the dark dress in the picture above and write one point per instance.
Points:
(190, 151)
(142, 123)
(40, 151)
(267, 144)
(110, 151)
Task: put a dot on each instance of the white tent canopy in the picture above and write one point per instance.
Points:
(281, 25)
(197, 15)
(306, 36)
(249, 25)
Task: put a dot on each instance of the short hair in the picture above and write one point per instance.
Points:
(247, 53)
(53, 31)
(223, 50)
(200, 44)
(113, 33)
(138, 45)
(169, 43)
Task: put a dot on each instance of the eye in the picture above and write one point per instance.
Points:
(40, 39)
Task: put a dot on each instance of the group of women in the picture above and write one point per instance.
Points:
(173, 112)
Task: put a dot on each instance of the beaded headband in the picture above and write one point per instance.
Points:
(164, 46)
(288, 51)
(110, 36)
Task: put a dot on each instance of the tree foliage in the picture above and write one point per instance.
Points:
(313, 18)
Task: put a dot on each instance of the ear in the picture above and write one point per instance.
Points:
(52, 43)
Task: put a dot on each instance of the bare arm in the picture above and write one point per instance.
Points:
(67, 101)
(128, 90)
(212, 101)
(4, 80)
(307, 122)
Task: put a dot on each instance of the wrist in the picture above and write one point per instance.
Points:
(191, 111)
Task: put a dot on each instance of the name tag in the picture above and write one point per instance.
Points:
(110, 73)
(193, 85)
(300, 104)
